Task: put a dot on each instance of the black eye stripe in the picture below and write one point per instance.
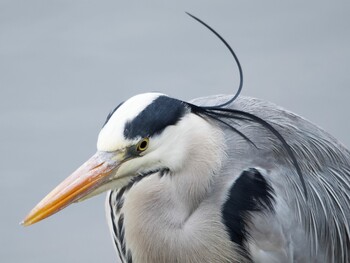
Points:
(158, 115)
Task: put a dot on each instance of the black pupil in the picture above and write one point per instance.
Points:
(143, 145)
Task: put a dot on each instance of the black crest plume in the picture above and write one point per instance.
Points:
(219, 114)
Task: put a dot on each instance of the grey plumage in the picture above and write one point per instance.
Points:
(244, 181)
(200, 186)
(299, 230)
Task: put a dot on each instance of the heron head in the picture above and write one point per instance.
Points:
(147, 133)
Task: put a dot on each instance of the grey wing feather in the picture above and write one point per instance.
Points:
(314, 229)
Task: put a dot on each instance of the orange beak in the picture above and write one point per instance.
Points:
(88, 177)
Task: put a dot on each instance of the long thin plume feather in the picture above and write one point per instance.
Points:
(217, 112)
(231, 113)
(234, 56)
(212, 116)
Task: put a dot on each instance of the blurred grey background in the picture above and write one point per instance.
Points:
(65, 64)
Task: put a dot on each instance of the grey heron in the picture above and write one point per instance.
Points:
(242, 181)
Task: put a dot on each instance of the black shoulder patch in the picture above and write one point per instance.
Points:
(111, 113)
(249, 193)
(161, 113)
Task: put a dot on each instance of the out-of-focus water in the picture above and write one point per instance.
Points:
(65, 64)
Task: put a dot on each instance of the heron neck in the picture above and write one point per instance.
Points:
(158, 208)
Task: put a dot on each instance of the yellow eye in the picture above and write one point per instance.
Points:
(143, 145)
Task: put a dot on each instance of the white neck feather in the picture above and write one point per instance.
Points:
(165, 214)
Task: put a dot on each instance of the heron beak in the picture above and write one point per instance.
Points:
(92, 174)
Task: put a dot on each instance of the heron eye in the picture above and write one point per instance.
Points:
(143, 145)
